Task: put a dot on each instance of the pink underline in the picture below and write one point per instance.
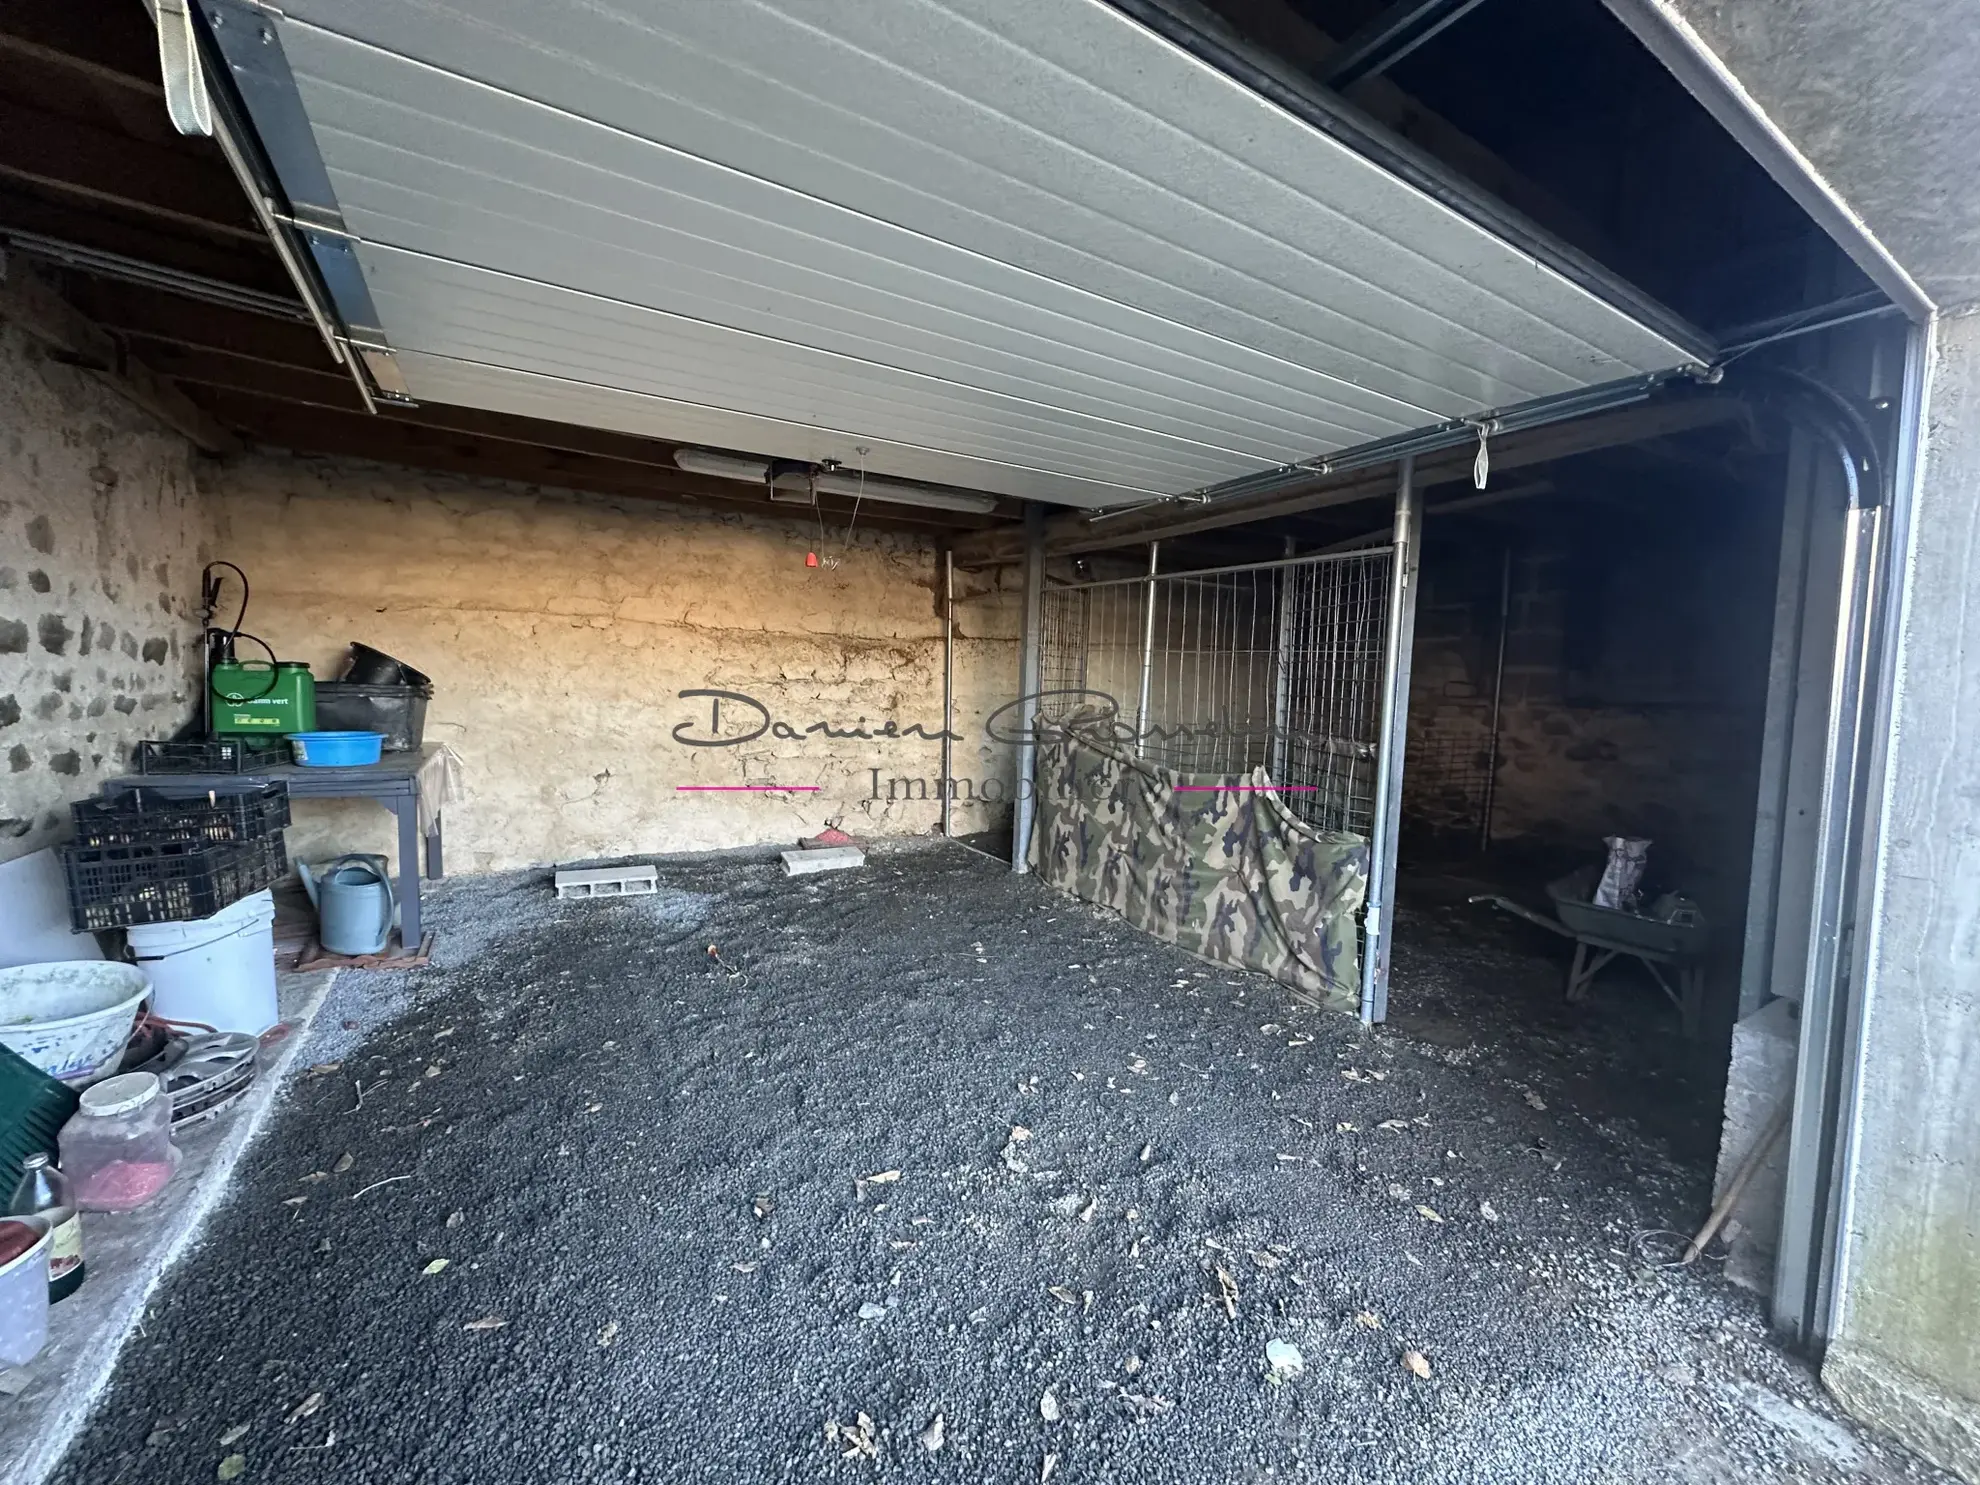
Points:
(1250, 788)
(746, 788)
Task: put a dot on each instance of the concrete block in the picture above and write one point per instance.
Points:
(607, 881)
(1759, 1083)
(832, 858)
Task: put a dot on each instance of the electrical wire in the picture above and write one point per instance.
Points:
(845, 547)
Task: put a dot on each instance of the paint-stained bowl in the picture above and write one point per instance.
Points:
(72, 1019)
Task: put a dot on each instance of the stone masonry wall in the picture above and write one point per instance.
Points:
(560, 631)
(1633, 695)
(102, 536)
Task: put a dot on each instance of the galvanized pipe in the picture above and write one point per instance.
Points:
(1498, 697)
(1380, 915)
(1282, 656)
(948, 685)
(1029, 658)
(1147, 651)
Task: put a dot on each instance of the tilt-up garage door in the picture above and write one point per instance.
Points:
(1029, 247)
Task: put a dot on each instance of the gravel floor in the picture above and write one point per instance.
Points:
(599, 1215)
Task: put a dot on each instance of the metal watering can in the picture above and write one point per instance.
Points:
(353, 900)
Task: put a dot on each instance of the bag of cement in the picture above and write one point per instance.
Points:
(1622, 877)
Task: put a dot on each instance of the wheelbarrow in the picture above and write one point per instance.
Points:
(1672, 949)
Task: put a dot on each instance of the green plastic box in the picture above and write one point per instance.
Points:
(254, 696)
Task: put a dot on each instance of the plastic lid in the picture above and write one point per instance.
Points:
(121, 1094)
(35, 1161)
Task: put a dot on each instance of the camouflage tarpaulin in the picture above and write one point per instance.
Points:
(1225, 872)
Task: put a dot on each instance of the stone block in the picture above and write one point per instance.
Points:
(1759, 1084)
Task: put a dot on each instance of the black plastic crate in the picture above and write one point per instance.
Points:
(158, 813)
(398, 713)
(211, 755)
(168, 881)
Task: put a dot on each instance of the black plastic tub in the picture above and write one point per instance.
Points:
(398, 712)
(369, 667)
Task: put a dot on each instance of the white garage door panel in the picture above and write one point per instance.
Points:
(470, 314)
(655, 227)
(1097, 141)
(452, 191)
(1028, 234)
(382, 121)
(530, 395)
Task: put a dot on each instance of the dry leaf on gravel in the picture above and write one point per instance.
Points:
(437, 1266)
(1227, 1292)
(935, 1435)
(344, 1162)
(1046, 1466)
(1344, 1127)
(1048, 1406)
(608, 1334)
(881, 1178)
(1428, 1214)
(486, 1322)
(307, 1408)
(455, 1219)
(232, 1467)
(235, 1434)
(1368, 1320)
(1535, 1099)
(855, 1440)
(1417, 1362)
(1485, 1210)
(763, 1204)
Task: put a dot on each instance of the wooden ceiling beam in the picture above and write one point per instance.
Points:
(92, 164)
(91, 40)
(95, 224)
(74, 339)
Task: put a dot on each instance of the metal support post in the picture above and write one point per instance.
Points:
(1029, 667)
(1147, 651)
(1380, 916)
(1498, 700)
(1282, 662)
(948, 686)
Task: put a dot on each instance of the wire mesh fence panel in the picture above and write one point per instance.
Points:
(1276, 665)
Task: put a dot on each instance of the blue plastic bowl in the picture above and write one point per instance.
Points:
(336, 749)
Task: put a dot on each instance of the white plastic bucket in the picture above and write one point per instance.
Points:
(69, 1019)
(218, 970)
(24, 1298)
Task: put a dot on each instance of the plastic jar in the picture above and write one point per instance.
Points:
(117, 1146)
